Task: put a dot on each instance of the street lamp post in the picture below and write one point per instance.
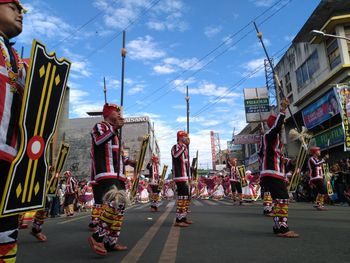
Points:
(323, 34)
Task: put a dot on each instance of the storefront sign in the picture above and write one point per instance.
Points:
(344, 101)
(331, 137)
(321, 110)
(247, 139)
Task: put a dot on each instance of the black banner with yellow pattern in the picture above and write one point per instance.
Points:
(55, 176)
(44, 92)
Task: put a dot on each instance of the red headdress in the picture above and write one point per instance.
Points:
(108, 108)
(16, 2)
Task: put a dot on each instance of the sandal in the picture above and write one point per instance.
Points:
(289, 234)
(119, 247)
(39, 236)
(98, 247)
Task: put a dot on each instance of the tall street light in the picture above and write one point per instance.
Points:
(323, 34)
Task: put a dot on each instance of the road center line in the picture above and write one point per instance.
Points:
(73, 219)
(137, 251)
(169, 251)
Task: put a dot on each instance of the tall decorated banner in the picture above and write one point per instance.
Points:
(139, 164)
(52, 185)
(44, 92)
(162, 177)
(343, 91)
(241, 173)
(256, 104)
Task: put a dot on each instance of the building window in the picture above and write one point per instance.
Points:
(288, 83)
(306, 71)
(290, 98)
(333, 53)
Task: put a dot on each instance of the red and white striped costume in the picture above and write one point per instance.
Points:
(179, 153)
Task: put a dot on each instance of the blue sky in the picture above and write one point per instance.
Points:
(211, 46)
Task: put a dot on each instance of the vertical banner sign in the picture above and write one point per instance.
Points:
(256, 104)
(139, 165)
(61, 159)
(162, 177)
(344, 101)
(25, 186)
(241, 173)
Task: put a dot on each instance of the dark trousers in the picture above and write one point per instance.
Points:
(236, 186)
(275, 186)
(182, 189)
(103, 186)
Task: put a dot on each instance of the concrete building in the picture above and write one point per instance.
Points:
(77, 134)
(309, 70)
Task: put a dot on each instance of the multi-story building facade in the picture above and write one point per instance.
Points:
(77, 134)
(309, 70)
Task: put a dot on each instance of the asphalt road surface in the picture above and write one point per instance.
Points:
(221, 232)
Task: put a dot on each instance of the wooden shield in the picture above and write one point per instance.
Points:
(139, 164)
(43, 97)
(301, 157)
(241, 173)
(61, 159)
(161, 181)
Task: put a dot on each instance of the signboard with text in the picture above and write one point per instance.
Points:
(256, 103)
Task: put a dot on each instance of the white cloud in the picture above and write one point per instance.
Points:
(263, 3)
(165, 15)
(79, 104)
(289, 38)
(41, 24)
(206, 88)
(171, 65)
(137, 89)
(79, 67)
(179, 107)
(168, 15)
(163, 69)
(254, 68)
(144, 48)
(212, 31)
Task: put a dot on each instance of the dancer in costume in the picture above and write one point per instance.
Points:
(272, 173)
(316, 176)
(180, 162)
(235, 181)
(218, 191)
(70, 193)
(154, 183)
(109, 190)
(169, 191)
(12, 82)
(143, 191)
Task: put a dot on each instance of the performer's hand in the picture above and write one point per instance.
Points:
(284, 104)
(326, 156)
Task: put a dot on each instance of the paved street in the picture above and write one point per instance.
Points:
(221, 232)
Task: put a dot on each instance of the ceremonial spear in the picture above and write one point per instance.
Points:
(123, 54)
(296, 133)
